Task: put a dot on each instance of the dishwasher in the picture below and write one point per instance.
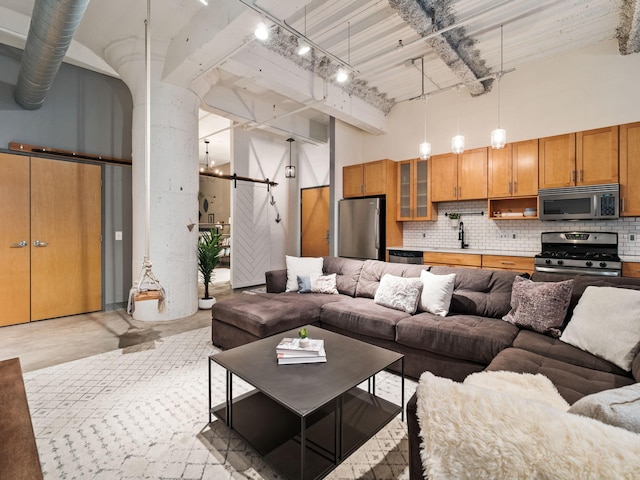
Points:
(406, 256)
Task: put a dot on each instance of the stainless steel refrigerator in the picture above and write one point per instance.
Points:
(361, 228)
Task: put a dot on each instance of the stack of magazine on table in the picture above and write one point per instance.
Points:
(289, 351)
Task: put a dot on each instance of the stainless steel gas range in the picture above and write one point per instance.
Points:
(588, 253)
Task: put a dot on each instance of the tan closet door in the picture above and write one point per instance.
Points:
(66, 210)
(15, 267)
(315, 222)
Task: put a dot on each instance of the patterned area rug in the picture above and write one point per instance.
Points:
(141, 413)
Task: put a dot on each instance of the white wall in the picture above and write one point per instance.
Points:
(591, 88)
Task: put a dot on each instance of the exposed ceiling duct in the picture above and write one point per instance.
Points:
(454, 47)
(629, 30)
(53, 25)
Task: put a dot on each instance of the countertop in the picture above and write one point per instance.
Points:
(469, 251)
(486, 251)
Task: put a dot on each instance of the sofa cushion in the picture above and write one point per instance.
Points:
(436, 292)
(558, 350)
(373, 270)
(301, 267)
(572, 381)
(362, 316)
(466, 337)
(605, 323)
(539, 306)
(347, 272)
(486, 293)
(399, 293)
(265, 314)
(619, 407)
(581, 282)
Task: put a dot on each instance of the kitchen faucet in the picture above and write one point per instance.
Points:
(461, 235)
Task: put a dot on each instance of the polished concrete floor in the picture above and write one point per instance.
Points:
(59, 340)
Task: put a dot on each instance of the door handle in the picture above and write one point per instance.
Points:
(38, 243)
(21, 244)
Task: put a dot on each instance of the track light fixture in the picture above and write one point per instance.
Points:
(261, 32)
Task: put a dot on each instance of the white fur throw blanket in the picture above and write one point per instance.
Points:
(473, 432)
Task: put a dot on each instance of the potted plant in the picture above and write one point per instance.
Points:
(209, 250)
(304, 337)
(455, 219)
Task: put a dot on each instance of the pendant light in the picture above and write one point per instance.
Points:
(261, 32)
(204, 166)
(424, 150)
(342, 75)
(457, 142)
(499, 135)
(290, 171)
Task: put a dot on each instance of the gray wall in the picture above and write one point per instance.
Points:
(90, 113)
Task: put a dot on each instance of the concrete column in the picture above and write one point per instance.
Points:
(174, 181)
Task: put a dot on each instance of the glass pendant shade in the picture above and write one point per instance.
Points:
(342, 75)
(498, 138)
(425, 150)
(290, 171)
(457, 144)
(303, 47)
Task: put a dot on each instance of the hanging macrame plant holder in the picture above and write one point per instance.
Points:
(148, 287)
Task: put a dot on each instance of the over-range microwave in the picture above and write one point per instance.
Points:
(593, 202)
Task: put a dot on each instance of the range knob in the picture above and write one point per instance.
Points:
(560, 262)
(547, 261)
(589, 264)
(603, 264)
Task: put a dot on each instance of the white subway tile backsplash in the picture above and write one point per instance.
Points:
(482, 233)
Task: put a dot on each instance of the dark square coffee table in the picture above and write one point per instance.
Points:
(305, 419)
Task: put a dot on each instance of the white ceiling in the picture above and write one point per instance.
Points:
(211, 49)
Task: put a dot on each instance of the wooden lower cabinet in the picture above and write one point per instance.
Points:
(631, 269)
(51, 241)
(452, 259)
(501, 262)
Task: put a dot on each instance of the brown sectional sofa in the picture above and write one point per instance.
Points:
(471, 338)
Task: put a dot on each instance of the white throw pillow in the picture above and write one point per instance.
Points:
(324, 284)
(399, 293)
(606, 323)
(303, 267)
(436, 293)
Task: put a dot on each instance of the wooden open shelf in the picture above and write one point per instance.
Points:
(512, 205)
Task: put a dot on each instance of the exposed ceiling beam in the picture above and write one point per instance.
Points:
(629, 30)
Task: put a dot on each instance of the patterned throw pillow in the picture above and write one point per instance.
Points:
(399, 293)
(539, 306)
(324, 284)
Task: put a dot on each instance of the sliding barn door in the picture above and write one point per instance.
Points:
(15, 261)
(66, 219)
(250, 238)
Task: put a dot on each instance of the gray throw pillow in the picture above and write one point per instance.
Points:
(399, 293)
(539, 306)
(304, 284)
(619, 407)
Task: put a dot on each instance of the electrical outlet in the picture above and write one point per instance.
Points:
(513, 235)
(632, 237)
(424, 235)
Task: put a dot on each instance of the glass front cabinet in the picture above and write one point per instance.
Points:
(414, 202)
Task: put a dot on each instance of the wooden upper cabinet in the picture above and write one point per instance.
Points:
(583, 158)
(352, 181)
(365, 179)
(375, 177)
(414, 201)
(597, 156)
(459, 177)
(630, 170)
(513, 170)
(472, 174)
(557, 161)
(444, 177)
(500, 172)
